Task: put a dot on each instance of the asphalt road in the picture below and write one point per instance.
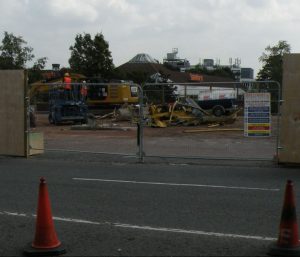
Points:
(122, 208)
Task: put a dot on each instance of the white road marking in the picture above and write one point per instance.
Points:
(176, 184)
(179, 164)
(195, 232)
(14, 214)
(149, 228)
(80, 221)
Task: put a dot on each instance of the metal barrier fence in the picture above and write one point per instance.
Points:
(215, 138)
(68, 127)
(206, 137)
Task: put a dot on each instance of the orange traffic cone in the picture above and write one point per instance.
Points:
(288, 243)
(45, 241)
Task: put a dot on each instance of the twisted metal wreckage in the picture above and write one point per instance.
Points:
(184, 112)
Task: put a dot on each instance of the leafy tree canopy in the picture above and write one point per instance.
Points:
(14, 54)
(217, 71)
(91, 56)
(272, 61)
(40, 63)
(35, 73)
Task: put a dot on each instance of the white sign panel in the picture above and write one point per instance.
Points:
(257, 114)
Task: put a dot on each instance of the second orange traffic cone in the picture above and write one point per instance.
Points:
(288, 243)
(45, 241)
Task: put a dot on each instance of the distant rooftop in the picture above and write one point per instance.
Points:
(143, 58)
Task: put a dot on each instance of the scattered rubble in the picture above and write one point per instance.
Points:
(104, 122)
(187, 113)
(184, 112)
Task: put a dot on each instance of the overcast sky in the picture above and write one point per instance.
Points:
(198, 28)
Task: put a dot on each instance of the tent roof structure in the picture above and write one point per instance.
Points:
(143, 58)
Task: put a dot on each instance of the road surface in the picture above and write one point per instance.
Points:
(123, 208)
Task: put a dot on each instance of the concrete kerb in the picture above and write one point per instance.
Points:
(134, 160)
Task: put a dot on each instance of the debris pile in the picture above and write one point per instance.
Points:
(185, 112)
(109, 121)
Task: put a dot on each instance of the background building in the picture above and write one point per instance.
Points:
(247, 74)
(240, 74)
(174, 62)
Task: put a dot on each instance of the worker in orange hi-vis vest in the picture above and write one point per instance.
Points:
(67, 85)
(83, 91)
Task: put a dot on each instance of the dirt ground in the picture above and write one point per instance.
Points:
(121, 138)
(117, 126)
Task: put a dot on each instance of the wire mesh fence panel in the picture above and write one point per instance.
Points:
(211, 120)
(228, 120)
(89, 117)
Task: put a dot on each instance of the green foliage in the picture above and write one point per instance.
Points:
(35, 73)
(159, 94)
(14, 52)
(40, 63)
(272, 62)
(119, 74)
(91, 57)
(138, 77)
(217, 71)
(272, 70)
(224, 72)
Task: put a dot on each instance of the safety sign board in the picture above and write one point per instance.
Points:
(257, 113)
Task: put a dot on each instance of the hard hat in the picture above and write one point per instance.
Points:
(67, 74)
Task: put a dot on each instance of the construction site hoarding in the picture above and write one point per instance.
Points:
(289, 150)
(13, 113)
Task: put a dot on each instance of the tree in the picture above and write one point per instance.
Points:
(272, 70)
(225, 72)
(91, 57)
(35, 73)
(40, 64)
(272, 62)
(14, 52)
